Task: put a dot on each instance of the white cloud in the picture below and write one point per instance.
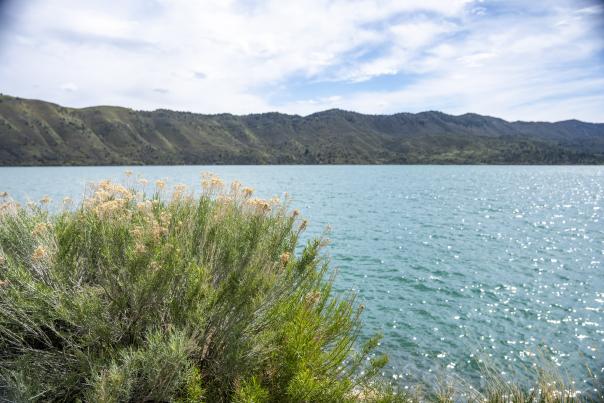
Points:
(533, 62)
(404, 40)
(532, 71)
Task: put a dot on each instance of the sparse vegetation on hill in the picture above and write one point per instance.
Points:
(41, 133)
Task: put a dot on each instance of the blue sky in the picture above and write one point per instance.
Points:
(519, 60)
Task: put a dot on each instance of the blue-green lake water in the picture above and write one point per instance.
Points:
(455, 264)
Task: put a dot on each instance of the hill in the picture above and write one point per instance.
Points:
(34, 132)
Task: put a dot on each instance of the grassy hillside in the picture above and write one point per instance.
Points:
(41, 133)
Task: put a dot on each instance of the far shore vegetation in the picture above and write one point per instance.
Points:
(38, 133)
(140, 294)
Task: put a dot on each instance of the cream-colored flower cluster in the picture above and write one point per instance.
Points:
(39, 253)
(247, 192)
(144, 206)
(158, 231)
(9, 207)
(178, 192)
(284, 258)
(260, 205)
(110, 208)
(312, 297)
(224, 199)
(211, 182)
(109, 199)
(40, 228)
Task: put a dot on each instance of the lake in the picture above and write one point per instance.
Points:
(458, 266)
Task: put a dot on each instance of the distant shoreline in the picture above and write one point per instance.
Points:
(306, 165)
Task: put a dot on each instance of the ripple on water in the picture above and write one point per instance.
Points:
(506, 262)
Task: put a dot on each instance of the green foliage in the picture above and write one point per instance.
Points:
(171, 297)
(157, 371)
(250, 391)
(193, 387)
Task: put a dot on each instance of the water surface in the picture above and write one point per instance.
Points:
(455, 264)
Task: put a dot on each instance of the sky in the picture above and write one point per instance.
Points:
(516, 59)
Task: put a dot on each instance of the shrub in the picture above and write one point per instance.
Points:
(136, 296)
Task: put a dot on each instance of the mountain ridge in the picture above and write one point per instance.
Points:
(35, 132)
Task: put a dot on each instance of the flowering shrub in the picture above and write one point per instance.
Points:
(139, 295)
